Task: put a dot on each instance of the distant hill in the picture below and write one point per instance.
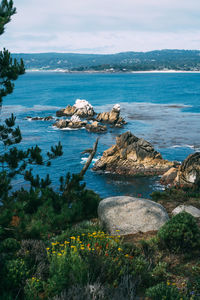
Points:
(183, 60)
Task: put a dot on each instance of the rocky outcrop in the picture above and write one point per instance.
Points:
(195, 212)
(96, 127)
(128, 215)
(169, 176)
(132, 156)
(189, 171)
(48, 118)
(74, 123)
(81, 108)
(187, 174)
(69, 111)
(60, 113)
(113, 117)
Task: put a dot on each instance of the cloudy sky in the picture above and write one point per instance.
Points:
(103, 26)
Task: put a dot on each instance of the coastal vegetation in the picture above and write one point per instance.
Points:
(52, 245)
(179, 60)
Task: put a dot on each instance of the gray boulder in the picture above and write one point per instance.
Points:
(195, 212)
(130, 215)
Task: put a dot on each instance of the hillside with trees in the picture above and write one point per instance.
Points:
(180, 60)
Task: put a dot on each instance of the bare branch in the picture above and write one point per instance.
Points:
(90, 158)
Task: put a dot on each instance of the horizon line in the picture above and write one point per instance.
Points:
(114, 53)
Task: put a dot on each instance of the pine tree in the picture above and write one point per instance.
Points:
(12, 160)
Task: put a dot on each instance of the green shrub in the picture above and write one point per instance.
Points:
(159, 273)
(193, 288)
(163, 291)
(180, 233)
(9, 245)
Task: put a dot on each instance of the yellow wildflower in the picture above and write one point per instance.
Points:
(119, 249)
(126, 255)
(47, 249)
(59, 254)
(72, 237)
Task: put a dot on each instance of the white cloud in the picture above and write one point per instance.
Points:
(103, 26)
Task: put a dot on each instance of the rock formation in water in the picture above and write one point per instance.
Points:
(113, 117)
(48, 118)
(81, 108)
(96, 127)
(132, 156)
(128, 215)
(74, 123)
(187, 174)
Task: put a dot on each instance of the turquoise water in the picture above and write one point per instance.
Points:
(162, 108)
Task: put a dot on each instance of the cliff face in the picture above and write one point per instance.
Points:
(132, 156)
(187, 174)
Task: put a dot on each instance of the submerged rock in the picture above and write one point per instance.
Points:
(128, 215)
(48, 118)
(96, 127)
(112, 117)
(132, 156)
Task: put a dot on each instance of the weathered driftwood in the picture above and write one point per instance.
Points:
(90, 158)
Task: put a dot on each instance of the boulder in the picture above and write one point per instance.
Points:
(74, 123)
(96, 127)
(61, 124)
(69, 111)
(112, 117)
(189, 172)
(132, 156)
(195, 212)
(129, 215)
(81, 108)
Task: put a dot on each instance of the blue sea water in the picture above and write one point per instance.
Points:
(163, 108)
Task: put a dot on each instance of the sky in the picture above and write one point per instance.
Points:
(102, 26)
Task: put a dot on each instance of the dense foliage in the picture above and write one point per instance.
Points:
(180, 233)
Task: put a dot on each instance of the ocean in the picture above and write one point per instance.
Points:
(163, 108)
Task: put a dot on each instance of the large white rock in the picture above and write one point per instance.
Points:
(82, 104)
(195, 212)
(83, 108)
(131, 215)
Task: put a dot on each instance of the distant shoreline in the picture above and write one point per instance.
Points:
(111, 72)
